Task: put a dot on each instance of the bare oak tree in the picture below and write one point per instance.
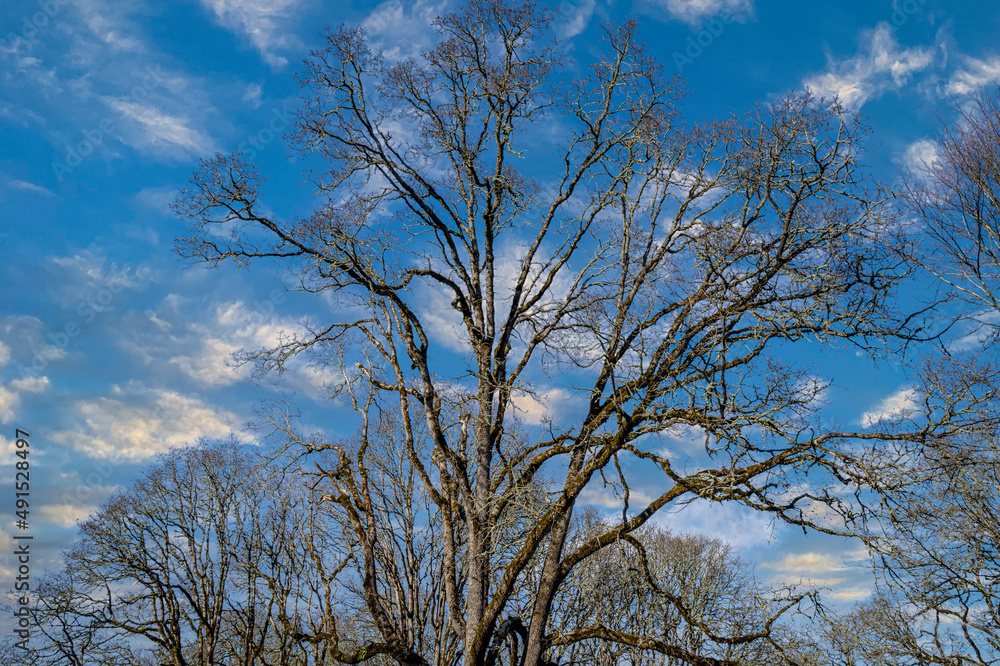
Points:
(566, 220)
(938, 560)
(688, 591)
(198, 563)
(956, 196)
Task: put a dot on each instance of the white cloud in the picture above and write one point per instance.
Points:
(975, 75)
(813, 390)
(541, 407)
(30, 384)
(212, 364)
(881, 66)
(696, 11)
(97, 52)
(24, 185)
(10, 396)
(204, 350)
(608, 499)
(740, 526)
(850, 594)
(576, 21)
(809, 568)
(137, 423)
(66, 515)
(161, 133)
(900, 404)
(252, 96)
(9, 401)
(264, 22)
(976, 331)
(109, 25)
(839, 571)
(444, 322)
(4, 354)
(235, 327)
(399, 31)
(920, 156)
(86, 276)
(157, 198)
(808, 563)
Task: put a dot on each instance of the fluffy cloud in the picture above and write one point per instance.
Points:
(238, 327)
(135, 423)
(540, 407)
(840, 572)
(810, 568)
(920, 156)
(65, 515)
(178, 335)
(609, 499)
(900, 404)
(10, 396)
(881, 65)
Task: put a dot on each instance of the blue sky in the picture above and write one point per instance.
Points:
(113, 350)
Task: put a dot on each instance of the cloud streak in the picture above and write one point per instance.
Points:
(694, 12)
(263, 22)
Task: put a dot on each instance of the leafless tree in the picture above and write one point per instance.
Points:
(685, 591)
(60, 635)
(956, 195)
(660, 270)
(170, 570)
(938, 556)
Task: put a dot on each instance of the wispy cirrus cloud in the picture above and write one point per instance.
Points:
(696, 11)
(974, 75)
(575, 17)
(93, 83)
(263, 22)
(401, 31)
(156, 131)
(25, 186)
